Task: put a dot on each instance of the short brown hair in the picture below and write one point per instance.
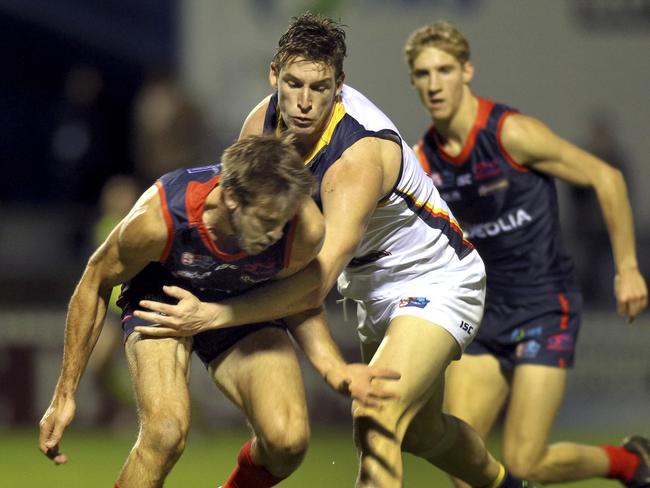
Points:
(267, 166)
(314, 38)
(440, 34)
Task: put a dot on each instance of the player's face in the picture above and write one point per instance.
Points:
(260, 224)
(440, 80)
(307, 92)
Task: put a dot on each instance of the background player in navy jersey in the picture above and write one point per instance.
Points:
(216, 230)
(399, 253)
(495, 168)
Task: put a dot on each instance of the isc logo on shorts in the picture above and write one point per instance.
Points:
(419, 302)
(466, 327)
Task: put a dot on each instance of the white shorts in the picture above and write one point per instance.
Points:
(456, 307)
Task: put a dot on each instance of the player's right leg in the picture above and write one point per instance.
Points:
(475, 392)
(420, 350)
(261, 375)
(160, 370)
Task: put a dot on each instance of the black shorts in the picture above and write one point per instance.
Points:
(207, 345)
(543, 330)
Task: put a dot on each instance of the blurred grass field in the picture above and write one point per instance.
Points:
(96, 456)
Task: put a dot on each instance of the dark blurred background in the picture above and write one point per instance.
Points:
(99, 97)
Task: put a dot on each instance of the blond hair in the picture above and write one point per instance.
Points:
(442, 35)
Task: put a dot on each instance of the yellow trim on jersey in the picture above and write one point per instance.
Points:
(337, 114)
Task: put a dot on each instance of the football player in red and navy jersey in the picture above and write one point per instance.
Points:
(496, 167)
(218, 231)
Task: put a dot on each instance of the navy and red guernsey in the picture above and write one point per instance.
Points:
(508, 211)
(191, 258)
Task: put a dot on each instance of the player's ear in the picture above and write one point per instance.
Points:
(468, 71)
(229, 199)
(274, 72)
(339, 84)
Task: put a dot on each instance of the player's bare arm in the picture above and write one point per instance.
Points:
(533, 144)
(352, 380)
(138, 239)
(189, 316)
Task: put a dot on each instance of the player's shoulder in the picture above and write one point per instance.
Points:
(254, 123)
(145, 225)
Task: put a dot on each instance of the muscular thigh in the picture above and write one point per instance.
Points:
(420, 351)
(476, 391)
(536, 396)
(160, 372)
(261, 375)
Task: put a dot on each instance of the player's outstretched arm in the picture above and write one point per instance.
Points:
(531, 143)
(125, 252)
(312, 333)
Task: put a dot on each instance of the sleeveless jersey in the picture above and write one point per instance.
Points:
(412, 232)
(509, 212)
(191, 259)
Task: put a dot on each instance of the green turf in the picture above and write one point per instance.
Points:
(96, 457)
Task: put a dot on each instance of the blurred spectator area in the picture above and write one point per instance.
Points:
(71, 69)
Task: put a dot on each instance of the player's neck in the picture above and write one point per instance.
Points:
(454, 131)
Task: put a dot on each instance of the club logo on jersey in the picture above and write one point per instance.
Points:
(507, 223)
(560, 342)
(528, 349)
(196, 260)
(486, 169)
(419, 302)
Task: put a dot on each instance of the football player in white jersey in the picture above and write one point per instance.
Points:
(399, 252)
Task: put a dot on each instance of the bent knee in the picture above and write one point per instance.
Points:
(523, 467)
(165, 434)
(286, 438)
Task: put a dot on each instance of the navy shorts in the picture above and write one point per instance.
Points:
(207, 345)
(542, 330)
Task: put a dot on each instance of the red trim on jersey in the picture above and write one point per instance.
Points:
(561, 363)
(288, 245)
(564, 304)
(482, 116)
(195, 196)
(511, 161)
(168, 221)
(422, 158)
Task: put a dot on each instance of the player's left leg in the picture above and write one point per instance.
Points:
(420, 351)
(261, 375)
(536, 395)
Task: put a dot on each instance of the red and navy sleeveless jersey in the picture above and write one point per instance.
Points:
(191, 259)
(508, 211)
